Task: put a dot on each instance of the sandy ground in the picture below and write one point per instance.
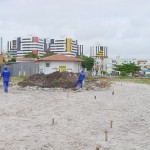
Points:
(80, 119)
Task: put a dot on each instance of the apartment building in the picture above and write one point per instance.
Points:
(66, 46)
(99, 51)
(144, 64)
(40, 46)
(23, 45)
(99, 54)
(129, 61)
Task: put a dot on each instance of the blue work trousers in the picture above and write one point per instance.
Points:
(5, 83)
(79, 82)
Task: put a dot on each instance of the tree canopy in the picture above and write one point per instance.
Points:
(31, 55)
(49, 54)
(88, 62)
(127, 68)
(12, 60)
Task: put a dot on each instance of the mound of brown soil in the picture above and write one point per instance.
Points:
(96, 84)
(62, 80)
(56, 79)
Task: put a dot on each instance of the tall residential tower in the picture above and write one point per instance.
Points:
(21, 46)
(40, 46)
(65, 46)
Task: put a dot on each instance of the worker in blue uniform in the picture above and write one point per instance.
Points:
(80, 79)
(6, 76)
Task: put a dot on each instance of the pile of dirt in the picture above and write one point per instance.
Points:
(103, 83)
(56, 79)
(96, 84)
(62, 80)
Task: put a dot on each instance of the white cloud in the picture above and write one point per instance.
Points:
(123, 26)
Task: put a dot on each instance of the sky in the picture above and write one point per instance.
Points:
(121, 25)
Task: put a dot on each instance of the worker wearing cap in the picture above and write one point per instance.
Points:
(80, 79)
(6, 76)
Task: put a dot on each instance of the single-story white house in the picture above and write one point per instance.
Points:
(60, 63)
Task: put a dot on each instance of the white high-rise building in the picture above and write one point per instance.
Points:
(23, 45)
(65, 46)
(40, 46)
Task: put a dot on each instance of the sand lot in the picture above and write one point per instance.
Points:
(80, 119)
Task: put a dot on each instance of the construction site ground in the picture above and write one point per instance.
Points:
(64, 80)
(70, 120)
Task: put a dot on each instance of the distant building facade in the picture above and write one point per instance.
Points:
(144, 64)
(66, 46)
(21, 46)
(40, 46)
(129, 61)
(99, 53)
(110, 64)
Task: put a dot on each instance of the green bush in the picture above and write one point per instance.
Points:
(123, 74)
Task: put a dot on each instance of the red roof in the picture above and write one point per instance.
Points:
(60, 57)
(25, 59)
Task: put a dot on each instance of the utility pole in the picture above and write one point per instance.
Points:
(102, 58)
(94, 60)
(1, 45)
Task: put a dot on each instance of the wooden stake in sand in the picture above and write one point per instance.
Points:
(113, 93)
(67, 95)
(111, 122)
(106, 135)
(94, 97)
(53, 122)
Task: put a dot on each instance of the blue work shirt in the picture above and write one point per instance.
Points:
(81, 76)
(6, 75)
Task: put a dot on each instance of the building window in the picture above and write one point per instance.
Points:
(47, 64)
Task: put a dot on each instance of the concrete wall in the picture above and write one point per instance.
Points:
(22, 68)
